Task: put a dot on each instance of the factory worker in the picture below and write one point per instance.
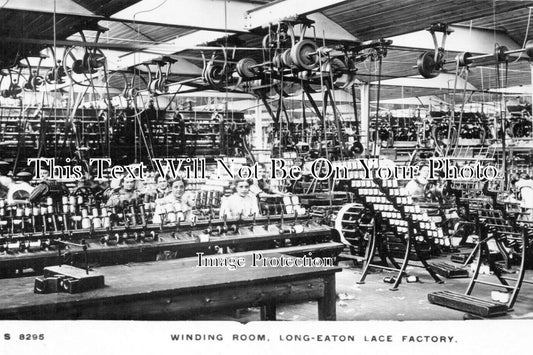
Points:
(161, 187)
(262, 187)
(5, 180)
(175, 205)
(525, 187)
(128, 193)
(241, 203)
(417, 186)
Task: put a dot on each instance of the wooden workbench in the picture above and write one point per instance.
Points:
(183, 245)
(175, 289)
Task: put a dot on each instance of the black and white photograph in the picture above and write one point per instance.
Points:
(266, 175)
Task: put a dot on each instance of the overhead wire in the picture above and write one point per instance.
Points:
(54, 29)
(525, 36)
(137, 113)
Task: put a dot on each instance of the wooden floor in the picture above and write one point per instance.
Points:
(374, 301)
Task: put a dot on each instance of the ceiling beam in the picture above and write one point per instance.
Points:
(444, 81)
(523, 90)
(60, 7)
(276, 11)
(182, 67)
(199, 14)
(417, 100)
(126, 60)
(187, 14)
(119, 46)
(325, 28)
(463, 39)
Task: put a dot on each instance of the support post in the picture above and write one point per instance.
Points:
(258, 138)
(365, 114)
(326, 305)
(531, 71)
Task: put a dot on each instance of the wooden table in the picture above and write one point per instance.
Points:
(176, 289)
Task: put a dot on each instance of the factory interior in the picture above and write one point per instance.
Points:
(254, 160)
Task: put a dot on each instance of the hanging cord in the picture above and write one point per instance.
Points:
(498, 74)
(56, 125)
(336, 112)
(525, 37)
(465, 69)
(280, 121)
(324, 118)
(377, 104)
(226, 71)
(502, 115)
(135, 109)
(451, 122)
(172, 99)
(142, 137)
(137, 113)
(109, 110)
(303, 137)
(150, 10)
(482, 88)
(494, 20)
(356, 119)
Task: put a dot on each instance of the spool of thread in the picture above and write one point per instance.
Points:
(389, 279)
(35, 210)
(72, 208)
(171, 215)
(72, 200)
(49, 201)
(106, 222)
(412, 278)
(80, 200)
(44, 210)
(13, 246)
(33, 245)
(203, 238)
(85, 222)
(50, 209)
(95, 212)
(65, 209)
(298, 228)
(27, 211)
(64, 200)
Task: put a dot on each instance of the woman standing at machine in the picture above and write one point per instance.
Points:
(241, 203)
(160, 189)
(525, 186)
(128, 193)
(417, 186)
(175, 205)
